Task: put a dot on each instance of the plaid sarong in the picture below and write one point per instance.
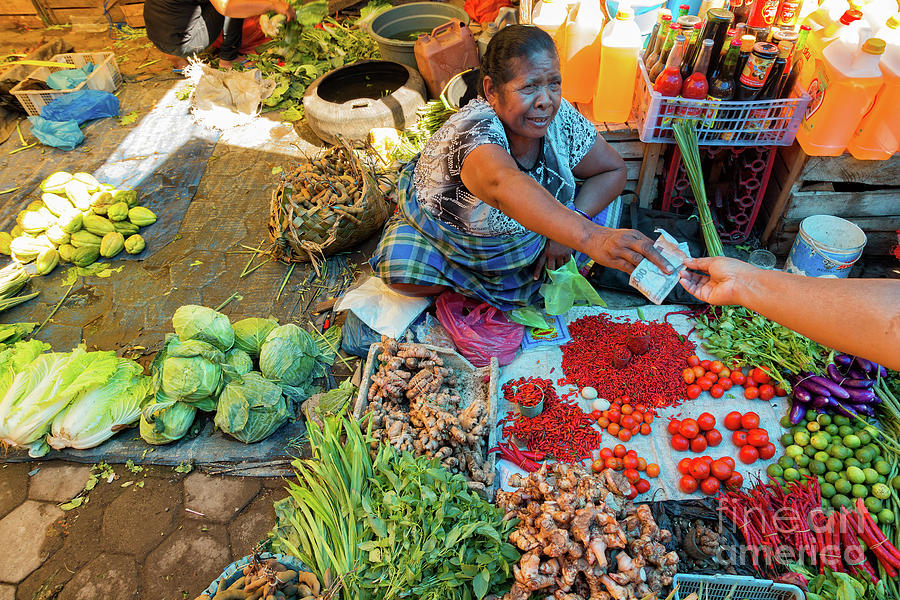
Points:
(417, 248)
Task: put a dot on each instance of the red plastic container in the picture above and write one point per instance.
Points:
(449, 50)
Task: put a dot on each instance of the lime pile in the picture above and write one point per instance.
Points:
(843, 455)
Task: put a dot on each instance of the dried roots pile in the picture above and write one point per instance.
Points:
(269, 580)
(414, 409)
(582, 540)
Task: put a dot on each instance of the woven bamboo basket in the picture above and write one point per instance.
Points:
(326, 205)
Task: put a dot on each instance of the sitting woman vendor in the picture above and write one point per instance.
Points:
(182, 28)
(491, 200)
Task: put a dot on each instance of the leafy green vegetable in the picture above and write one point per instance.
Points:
(288, 355)
(832, 585)
(97, 414)
(14, 358)
(192, 322)
(333, 401)
(191, 371)
(14, 332)
(166, 421)
(238, 361)
(250, 333)
(251, 408)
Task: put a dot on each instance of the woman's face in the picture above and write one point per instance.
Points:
(529, 100)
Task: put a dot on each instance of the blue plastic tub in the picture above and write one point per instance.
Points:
(826, 246)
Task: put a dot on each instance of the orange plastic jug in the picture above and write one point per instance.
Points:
(876, 138)
(449, 50)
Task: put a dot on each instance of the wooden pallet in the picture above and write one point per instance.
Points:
(864, 192)
(19, 14)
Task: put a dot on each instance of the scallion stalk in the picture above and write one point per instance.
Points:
(686, 137)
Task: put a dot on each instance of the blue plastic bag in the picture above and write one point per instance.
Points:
(59, 134)
(66, 79)
(82, 106)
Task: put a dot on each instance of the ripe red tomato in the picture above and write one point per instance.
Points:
(725, 383)
(632, 452)
(689, 428)
(760, 375)
(680, 443)
(631, 475)
(710, 486)
(748, 454)
(750, 420)
(738, 377)
(633, 493)
(725, 373)
(733, 421)
(645, 429)
(699, 469)
(716, 366)
(751, 392)
(707, 459)
(614, 416)
(739, 438)
(688, 376)
(693, 360)
(766, 392)
(698, 444)
(684, 466)
(705, 364)
(652, 470)
(627, 422)
(694, 391)
(780, 391)
(768, 451)
(673, 426)
(606, 453)
(630, 461)
(704, 383)
(729, 460)
(713, 437)
(735, 481)
(688, 484)
(619, 451)
(716, 391)
(721, 470)
(706, 421)
(758, 437)
(698, 372)
(643, 486)
(598, 465)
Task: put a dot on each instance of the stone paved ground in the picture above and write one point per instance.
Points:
(155, 534)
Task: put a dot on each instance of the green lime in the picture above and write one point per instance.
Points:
(821, 456)
(831, 429)
(855, 475)
(843, 486)
(824, 420)
(859, 490)
(852, 441)
(852, 462)
(871, 475)
(797, 429)
(834, 465)
(786, 422)
(786, 440)
(864, 454)
(804, 471)
(793, 451)
(882, 479)
(828, 490)
(873, 505)
(821, 480)
(817, 467)
(802, 461)
(840, 420)
(895, 482)
(774, 470)
(786, 462)
(791, 474)
(801, 438)
(832, 476)
(839, 451)
(820, 440)
(839, 500)
(876, 449)
(845, 430)
(810, 451)
(886, 516)
(881, 491)
(813, 426)
(864, 436)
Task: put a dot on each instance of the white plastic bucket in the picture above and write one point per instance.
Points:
(826, 246)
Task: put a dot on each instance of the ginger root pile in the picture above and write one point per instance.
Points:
(582, 540)
(414, 409)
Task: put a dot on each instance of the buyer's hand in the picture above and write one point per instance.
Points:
(554, 256)
(719, 278)
(624, 249)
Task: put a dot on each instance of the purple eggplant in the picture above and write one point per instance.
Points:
(843, 360)
(863, 409)
(813, 388)
(860, 396)
(836, 390)
(801, 395)
(797, 413)
(835, 374)
(858, 383)
(819, 401)
(857, 374)
(882, 370)
(866, 365)
(836, 407)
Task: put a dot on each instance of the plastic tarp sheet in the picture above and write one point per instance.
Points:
(655, 447)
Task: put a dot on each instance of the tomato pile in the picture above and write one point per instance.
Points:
(714, 377)
(708, 475)
(694, 434)
(753, 441)
(630, 464)
(623, 420)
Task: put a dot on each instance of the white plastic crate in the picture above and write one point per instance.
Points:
(720, 587)
(731, 123)
(105, 77)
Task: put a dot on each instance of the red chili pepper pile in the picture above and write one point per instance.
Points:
(561, 430)
(524, 459)
(526, 391)
(652, 380)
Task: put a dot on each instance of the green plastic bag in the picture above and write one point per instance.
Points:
(528, 316)
(566, 288)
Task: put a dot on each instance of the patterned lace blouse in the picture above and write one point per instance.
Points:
(439, 186)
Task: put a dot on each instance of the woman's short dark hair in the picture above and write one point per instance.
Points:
(513, 41)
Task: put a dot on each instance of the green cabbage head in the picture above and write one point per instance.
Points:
(251, 409)
(165, 420)
(192, 322)
(250, 333)
(288, 355)
(192, 372)
(239, 362)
